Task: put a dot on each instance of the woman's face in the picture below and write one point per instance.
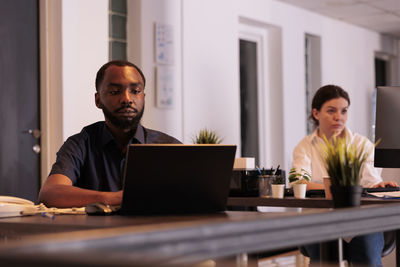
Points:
(332, 117)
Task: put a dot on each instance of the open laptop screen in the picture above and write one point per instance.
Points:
(170, 179)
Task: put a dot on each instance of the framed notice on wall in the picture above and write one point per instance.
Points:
(164, 87)
(164, 44)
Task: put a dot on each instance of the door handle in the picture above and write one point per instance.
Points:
(35, 133)
(36, 149)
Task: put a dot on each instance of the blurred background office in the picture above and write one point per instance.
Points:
(244, 68)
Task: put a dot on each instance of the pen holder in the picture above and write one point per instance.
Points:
(264, 185)
(245, 183)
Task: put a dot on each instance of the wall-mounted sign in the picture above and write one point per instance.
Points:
(164, 43)
(164, 87)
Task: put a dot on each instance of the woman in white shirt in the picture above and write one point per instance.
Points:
(329, 113)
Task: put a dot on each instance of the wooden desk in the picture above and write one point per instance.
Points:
(123, 241)
(295, 202)
(251, 203)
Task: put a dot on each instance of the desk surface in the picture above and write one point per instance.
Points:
(296, 202)
(24, 227)
(184, 239)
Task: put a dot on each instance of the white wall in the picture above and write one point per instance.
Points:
(84, 51)
(142, 16)
(353, 70)
(211, 68)
(206, 64)
(211, 81)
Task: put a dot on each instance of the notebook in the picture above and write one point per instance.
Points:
(176, 179)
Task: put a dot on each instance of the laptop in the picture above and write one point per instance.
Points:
(176, 179)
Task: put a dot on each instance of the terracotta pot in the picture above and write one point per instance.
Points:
(346, 196)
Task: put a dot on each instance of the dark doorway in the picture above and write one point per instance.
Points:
(313, 72)
(381, 70)
(19, 101)
(249, 99)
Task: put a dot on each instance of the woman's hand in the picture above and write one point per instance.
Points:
(386, 184)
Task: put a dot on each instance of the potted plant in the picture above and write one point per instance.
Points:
(206, 136)
(299, 179)
(278, 186)
(343, 163)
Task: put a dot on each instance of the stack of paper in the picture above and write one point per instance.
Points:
(14, 210)
(394, 194)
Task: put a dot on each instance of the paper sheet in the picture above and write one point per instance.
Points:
(394, 194)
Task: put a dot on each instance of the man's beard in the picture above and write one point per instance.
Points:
(123, 123)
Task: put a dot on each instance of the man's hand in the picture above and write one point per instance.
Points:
(113, 198)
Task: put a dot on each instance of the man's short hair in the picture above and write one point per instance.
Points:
(120, 63)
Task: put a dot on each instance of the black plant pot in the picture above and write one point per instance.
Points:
(346, 196)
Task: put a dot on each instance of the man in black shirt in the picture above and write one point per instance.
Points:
(88, 166)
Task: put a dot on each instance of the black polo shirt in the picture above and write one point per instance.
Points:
(93, 160)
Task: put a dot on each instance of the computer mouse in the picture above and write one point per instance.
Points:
(99, 209)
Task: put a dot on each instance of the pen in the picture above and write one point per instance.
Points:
(277, 169)
(48, 215)
(258, 169)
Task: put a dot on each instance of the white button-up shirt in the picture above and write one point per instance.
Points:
(307, 155)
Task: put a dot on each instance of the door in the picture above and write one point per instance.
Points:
(249, 99)
(19, 101)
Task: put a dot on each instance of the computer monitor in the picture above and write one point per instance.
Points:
(387, 127)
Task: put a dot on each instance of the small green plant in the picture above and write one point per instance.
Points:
(279, 179)
(300, 177)
(343, 161)
(206, 136)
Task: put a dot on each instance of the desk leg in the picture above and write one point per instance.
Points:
(398, 247)
(331, 252)
(241, 260)
(245, 260)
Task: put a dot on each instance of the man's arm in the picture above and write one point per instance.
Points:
(59, 192)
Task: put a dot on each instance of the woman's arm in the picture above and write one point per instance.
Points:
(302, 160)
(371, 176)
(314, 186)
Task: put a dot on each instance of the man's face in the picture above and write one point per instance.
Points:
(121, 97)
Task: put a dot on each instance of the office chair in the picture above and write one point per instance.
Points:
(389, 242)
